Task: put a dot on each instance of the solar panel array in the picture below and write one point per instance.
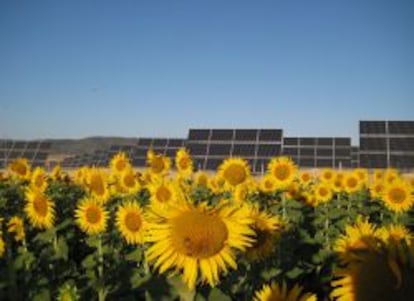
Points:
(386, 144)
(355, 156)
(36, 151)
(310, 152)
(97, 158)
(209, 147)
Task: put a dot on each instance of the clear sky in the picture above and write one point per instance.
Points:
(73, 69)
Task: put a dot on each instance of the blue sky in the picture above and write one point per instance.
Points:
(73, 69)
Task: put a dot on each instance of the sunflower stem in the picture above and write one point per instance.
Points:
(101, 288)
(12, 291)
(327, 226)
(283, 207)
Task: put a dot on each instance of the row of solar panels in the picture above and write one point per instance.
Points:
(386, 127)
(8, 144)
(36, 152)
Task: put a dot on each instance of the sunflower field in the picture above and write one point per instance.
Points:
(170, 233)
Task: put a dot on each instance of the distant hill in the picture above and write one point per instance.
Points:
(86, 145)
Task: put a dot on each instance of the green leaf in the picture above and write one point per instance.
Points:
(89, 261)
(46, 236)
(218, 295)
(294, 273)
(43, 295)
(135, 255)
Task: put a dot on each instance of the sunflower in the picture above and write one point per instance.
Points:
(267, 228)
(390, 175)
(323, 192)
(398, 196)
(277, 292)
(91, 216)
(240, 193)
(119, 163)
(268, 184)
(327, 175)
(183, 162)
(234, 171)
(39, 209)
(378, 175)
(352, 183)
(20, 167)
(16, 226)
(199, 240)
(293, 191)
(376, 189)
(96, 182)
(396, 236)
(358, 237)
(130, 222)
(128, 181)
(39, 179)
(68, 292)
(283, 169)
(305, 178)
(362, 174)
(310, 199)
(57, 173)
(81, 175)
(2, 245)
(158, 164)
(337, 183)
(377, 275)
(201, 179)
(163, 193)
(216, 184)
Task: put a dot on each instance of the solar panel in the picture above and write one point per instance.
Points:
(2, 154)
(2, 164)
(140, 152)
(175, 142)
(306, 162)
(268, 150)
(401, 127)
(159, 142)
(28, 154)
(373, 160)
(45, 145)
(379, 144)
(342, 152)
(342, 141)
(171, 152)
(33, 144)
(402, 144)
(197, 149)
(19, 144)
(292, 151)
(307, 141)
(290, 141)
(222, 135)
(198, 134)
(324, 152)
(14, 154)
(372, 127)
(270, 135)
(6, 144)
(324, 163)
(245, 150)
(403, 162)
(212, 164)
(344, 163)
(325, 141)
(41, 156)
(198, 163)
(139, 162)
(114, 148)
(261, 165)
(310, 152)
(220, 149)
(144, 141)
(245, 135)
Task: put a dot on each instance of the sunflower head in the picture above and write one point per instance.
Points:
(91, 216)
(375, 189)
(120, 162)
(201, 179)
(283, 169)
(390, 175)
(57, 173)
(352, 183)
(183, 162)
(323, 192)
(68, 292)
(97, 184)
(158, 164)
(39, 209)
(278, 292)
(131, 223)
(267, 230)
(234, 171)
(16, 227)
(398, 196)
(163, 193)
(39, 179)
(268, 184)
(327, 175)
(305, 178)
(20, 168)
(128, 181)
(2, 245)
(192, 238)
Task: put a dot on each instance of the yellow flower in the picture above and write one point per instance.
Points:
(268, 184)
(159, 165)
(267, 229)
(323, 192)
(283, 169)
(376, 189)
(234, 171)
(39, 209)
(163, 193)
(2, 246)
(201, 179)
(352, 183)
(20, 167)
(119, 163)
(398, 196)
(97, 184)
(277, 292)
(305, 178)
(16, 226)
(198, 240)
(183, 162)
(327, 175)
(128, 181)
(39, 179)
(91, 216)
(131, 223)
